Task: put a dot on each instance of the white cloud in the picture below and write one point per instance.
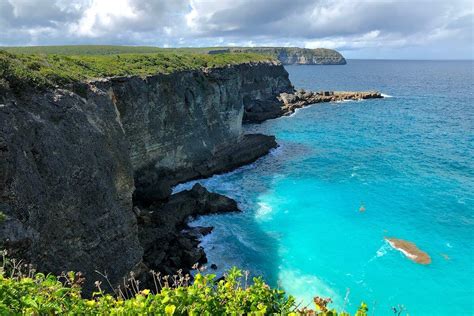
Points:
(348, 25)
(101, 17)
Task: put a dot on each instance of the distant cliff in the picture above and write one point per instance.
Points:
(295, 55)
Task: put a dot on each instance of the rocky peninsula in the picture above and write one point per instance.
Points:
(87, 164)
(296, 55)
(287, 103)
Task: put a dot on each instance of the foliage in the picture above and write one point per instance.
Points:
(100, 50)
(46, 70)
(115, 49)
(31, 293)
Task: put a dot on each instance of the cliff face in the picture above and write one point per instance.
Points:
(295, 55)
(318, 56)
(181, 126)
(66, 184)
(68, 159)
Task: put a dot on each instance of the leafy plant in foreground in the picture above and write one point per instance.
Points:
(25, 292)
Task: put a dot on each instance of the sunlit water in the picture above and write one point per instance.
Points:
(409, 159)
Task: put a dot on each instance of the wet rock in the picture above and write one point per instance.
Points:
(198, 231)
(410, 250)
(169, 244)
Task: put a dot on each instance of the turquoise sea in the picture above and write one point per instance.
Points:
(408, 158)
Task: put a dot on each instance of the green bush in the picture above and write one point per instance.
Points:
(34, 293)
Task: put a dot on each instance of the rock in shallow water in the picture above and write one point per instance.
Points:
(410, 250)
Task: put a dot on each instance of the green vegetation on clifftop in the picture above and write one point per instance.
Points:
(46, 70)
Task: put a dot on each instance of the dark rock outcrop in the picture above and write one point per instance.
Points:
(66, 184)
(287, 103)
(168, 242)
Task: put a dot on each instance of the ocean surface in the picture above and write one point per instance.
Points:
(408, 159)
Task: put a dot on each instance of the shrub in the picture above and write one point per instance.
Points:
(23, 70)
(31, 293)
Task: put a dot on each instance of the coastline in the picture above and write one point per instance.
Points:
(147, 134)
(291, 109)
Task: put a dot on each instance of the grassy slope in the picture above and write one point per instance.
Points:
(60, 65)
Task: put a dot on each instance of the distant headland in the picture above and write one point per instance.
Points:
(296, 55)
(286, 55)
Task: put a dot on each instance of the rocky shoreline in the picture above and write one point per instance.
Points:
(86, 172)
(153, 184)
(169, 244)
(287, 103)
(249, 149)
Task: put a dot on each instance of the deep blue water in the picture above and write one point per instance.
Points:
(409, 159)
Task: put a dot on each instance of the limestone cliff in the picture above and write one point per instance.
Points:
(66, 184)
(296, 55)
(68, 157)
(182, 126)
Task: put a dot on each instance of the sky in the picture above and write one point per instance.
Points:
(382, 29)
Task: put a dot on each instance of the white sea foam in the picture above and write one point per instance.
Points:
(386, 95)
(406, 253)
(382, 251)
(247, 242)
(208, 181)
(264, 211)
(276, 151)
(216, 178)
(295, 111)
(305, 286)
(184, 186)
(344, 101)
